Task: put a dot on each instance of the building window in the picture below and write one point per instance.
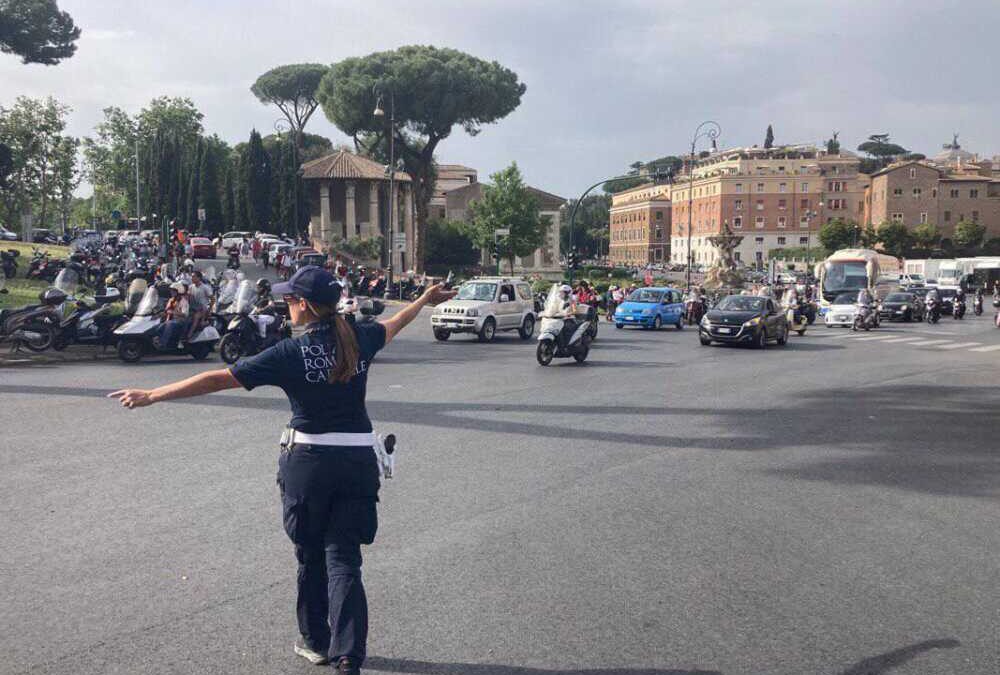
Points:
(973, 193)
(738, 205)
(782, 187)
(897, 192)
(782, 204)
(736, 255)
(781, 169)
(803, 221)
(738, 222)
(803, 240)
(954, 194)
(917, 192)
(934, 193)
(739, 187)
(760, 187)
(913, 172)
(804, 204)
(759, 240)
(805, 187)
(781, 241)
(659, 215)
(781, 221)
(947, 216)
(975, 216)
(923, 217)
(760, 204)
(897, 217)
(659, 233)
(760, 222)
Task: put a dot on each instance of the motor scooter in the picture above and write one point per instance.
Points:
(561, 336)
(977, 305)
(798, 321)
(865, 318)
(248, 332)
(958, 308)
(933, 313)
(141, 334)
(32, 326)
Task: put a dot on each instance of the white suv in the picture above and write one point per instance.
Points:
(485, 305)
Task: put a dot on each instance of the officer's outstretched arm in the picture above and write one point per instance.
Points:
(203, 383)
(398, 321)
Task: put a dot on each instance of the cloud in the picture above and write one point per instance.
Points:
(607, 83)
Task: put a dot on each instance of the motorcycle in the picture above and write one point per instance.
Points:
(234, 261)
(33, 326)
(798, 321)
(933, 313)
(958, 308)
(561, 336)
(86, 324)
(693, 311)
(248, 332)
(977, 305)
(141, 334)
(8, 261)
(865, 318)
(996, 305)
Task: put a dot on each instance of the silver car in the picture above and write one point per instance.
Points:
(484, 306)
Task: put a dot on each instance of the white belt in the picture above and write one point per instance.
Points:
(332, 438)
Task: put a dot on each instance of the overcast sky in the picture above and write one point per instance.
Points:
(608, 82)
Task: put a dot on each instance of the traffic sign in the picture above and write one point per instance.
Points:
(502, 232)
(201, 215)
(399, 238)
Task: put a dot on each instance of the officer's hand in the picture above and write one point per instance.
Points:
(132, 398)
(437, 294)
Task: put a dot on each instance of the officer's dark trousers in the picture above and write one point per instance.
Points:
(328, 497)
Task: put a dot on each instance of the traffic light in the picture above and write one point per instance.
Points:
(572, 260)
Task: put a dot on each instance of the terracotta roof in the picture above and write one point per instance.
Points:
(455, 167)
(967, 177)
(905, 163)
(546, 200)
(344, 164)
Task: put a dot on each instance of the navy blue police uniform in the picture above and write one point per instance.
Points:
(328, 492)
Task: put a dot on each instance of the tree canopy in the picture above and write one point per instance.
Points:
(292, 89)
(507, 203)
(896, 240)
(37, 31)
(969, 234)
(429, 91)
(837, 234)
(769, 138)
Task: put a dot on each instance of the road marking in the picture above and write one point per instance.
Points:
(928, 343)
(903, 339)
(873, 337)
(960, 345)
(988, 348)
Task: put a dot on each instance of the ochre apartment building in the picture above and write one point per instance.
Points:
(775, 198)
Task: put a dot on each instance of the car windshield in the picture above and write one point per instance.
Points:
(741, 303)
(477, 290)
(645, 295)
(846, 299)
(845, 275)
(916, 277)
(946, 292)
(898, 297)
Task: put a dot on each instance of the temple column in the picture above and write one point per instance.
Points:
(350, 217)
(373, 215)
(325, 222)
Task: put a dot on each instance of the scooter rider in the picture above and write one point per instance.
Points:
(864, 303)
(264, 311)
(328, 472)
(177, 313)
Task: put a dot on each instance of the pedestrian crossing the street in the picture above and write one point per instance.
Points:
(951, 344)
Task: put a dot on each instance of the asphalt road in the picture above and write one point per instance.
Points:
(826, 508)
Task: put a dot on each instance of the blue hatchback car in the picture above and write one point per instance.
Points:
(651, 307)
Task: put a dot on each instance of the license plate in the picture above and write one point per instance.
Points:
(841, 318)
(727, 331)
(629, 318)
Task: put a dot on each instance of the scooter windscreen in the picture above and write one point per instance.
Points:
(136, 290)
(554, 304)
(227, 293)
(67, 281)
(246, 296)
(149, 304)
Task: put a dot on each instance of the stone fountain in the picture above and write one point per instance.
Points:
(723, 273)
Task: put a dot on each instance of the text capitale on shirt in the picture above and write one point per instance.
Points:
(318, 362)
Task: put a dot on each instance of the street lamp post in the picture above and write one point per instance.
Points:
(708, 129)
(391, 170)
(572, 214)
(281, 125)
(810, 215)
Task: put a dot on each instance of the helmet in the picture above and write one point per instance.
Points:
(180, 287)
(263, 286)
(565, 288)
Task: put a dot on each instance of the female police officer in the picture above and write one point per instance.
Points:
(327, 472)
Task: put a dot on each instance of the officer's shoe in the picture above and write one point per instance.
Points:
(309, 654)
(347, 666)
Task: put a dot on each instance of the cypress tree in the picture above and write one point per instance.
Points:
(208, 189)
(240, 217)
(769, 138)
(257, 183)
(194, 186)
(228, 207)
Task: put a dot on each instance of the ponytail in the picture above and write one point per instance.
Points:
(346, 351)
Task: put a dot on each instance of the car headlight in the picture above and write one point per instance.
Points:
(705, 322)
(472, 312)
(647, 312)
(752, 322)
